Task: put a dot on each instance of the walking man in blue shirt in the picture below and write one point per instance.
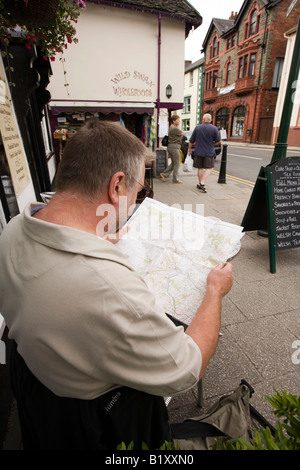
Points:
(204, 136)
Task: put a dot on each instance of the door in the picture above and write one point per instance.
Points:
(265, 130)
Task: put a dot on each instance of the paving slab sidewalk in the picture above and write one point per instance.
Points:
(261, 314)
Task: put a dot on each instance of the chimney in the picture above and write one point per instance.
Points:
(233, 15)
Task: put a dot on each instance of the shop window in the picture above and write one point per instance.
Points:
(222, 119)
(238, 122)
(277, 72)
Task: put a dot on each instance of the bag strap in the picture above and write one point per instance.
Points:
(189, 429)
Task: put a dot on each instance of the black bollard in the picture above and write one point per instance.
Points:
(222, 174)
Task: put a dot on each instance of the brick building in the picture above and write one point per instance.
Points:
(244, 57)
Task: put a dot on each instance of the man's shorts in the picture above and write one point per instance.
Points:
(204, 162)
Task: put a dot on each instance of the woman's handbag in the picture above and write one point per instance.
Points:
(165, 141)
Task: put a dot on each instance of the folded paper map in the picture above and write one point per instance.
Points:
(174, 250)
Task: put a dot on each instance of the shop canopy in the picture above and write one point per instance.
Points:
(81, 107)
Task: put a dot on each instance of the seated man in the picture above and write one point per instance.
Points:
(94, 354)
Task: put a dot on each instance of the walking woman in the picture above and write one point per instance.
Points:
(174, 143)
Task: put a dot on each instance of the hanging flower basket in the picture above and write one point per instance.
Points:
(31, 12)
(52, 37)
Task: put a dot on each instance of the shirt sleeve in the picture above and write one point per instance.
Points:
(143, 348)
(217, 135)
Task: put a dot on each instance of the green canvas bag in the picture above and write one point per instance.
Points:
(228, 418)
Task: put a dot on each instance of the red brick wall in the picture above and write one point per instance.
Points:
(261, 101)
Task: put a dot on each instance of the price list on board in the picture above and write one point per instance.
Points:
(285, 189)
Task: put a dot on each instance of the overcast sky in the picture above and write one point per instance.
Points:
(208, 9)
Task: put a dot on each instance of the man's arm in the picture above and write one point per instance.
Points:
(217, 136)
(191, 142)
(205, 326)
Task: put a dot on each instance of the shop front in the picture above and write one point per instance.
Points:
(238, 122)
(66, 118)
(233, 116)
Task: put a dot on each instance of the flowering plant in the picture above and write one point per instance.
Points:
(52, 37)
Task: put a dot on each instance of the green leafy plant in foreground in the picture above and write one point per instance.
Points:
(287, 434)
(165, 446)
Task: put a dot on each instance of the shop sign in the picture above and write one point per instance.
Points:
(227, 89)
(2, 92)
(132, 84)
(11, 139)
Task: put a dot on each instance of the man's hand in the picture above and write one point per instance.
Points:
(221, 278)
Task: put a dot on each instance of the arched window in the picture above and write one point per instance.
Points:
(238, 122)
(215, 47)
(222, 119)
(228, 73)
(253, 20)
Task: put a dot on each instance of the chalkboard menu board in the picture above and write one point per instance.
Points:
(161, 162)
(284, 194)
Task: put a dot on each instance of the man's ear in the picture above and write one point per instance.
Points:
(117, 187)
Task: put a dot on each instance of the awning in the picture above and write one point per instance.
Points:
(104, 107)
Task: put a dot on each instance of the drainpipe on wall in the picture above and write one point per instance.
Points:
(158, 79)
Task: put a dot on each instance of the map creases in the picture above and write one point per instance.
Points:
(174, 250)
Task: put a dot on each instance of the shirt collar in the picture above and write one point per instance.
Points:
(69, 239)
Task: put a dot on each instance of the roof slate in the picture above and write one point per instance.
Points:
(191, 66)
(223, 25)
(179, 9)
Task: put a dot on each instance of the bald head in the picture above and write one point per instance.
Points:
(207, 118)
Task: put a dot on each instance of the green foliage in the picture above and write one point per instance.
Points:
(287, 434)
(165, 446)
(51, 38)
